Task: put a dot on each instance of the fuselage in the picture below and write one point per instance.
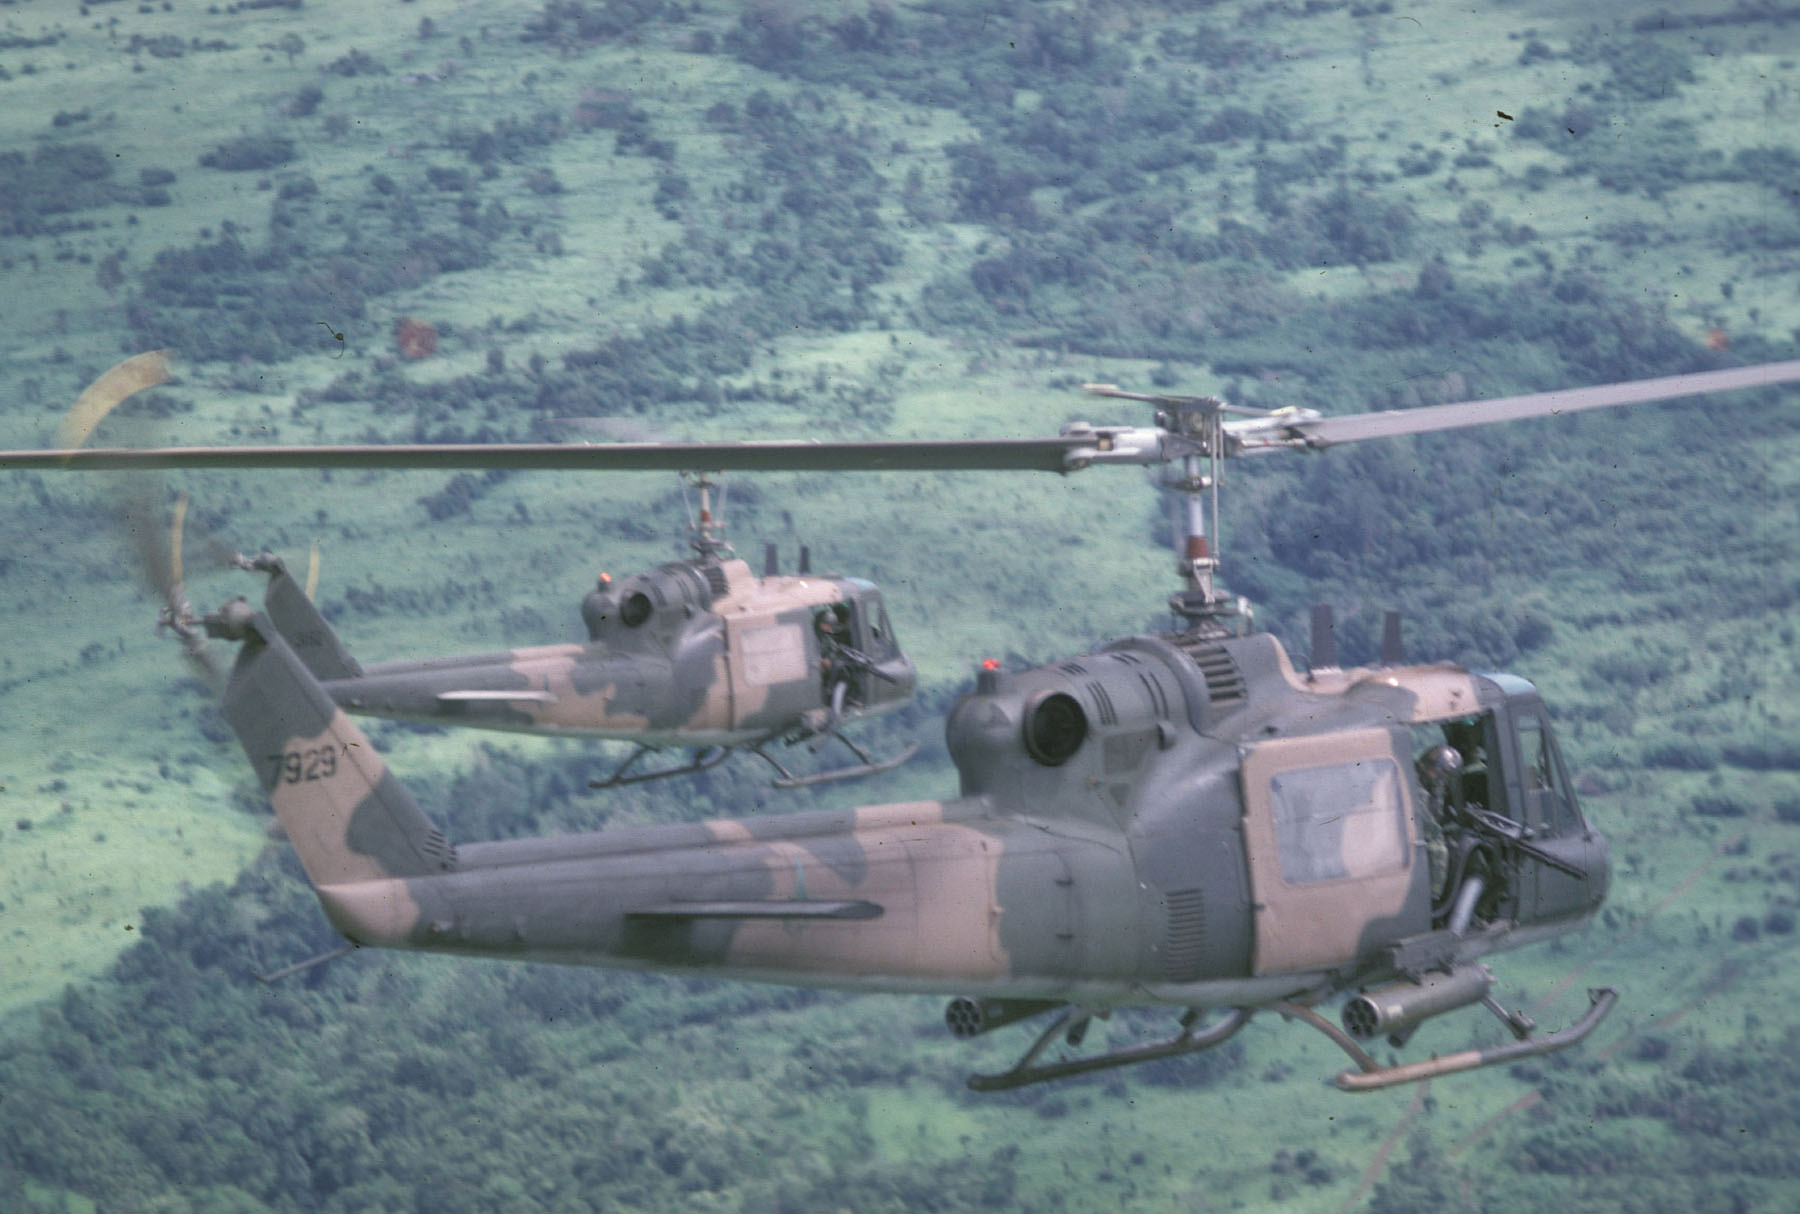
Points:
(691, 654)
(1166, 820)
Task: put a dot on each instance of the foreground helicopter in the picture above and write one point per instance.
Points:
(1180, 819)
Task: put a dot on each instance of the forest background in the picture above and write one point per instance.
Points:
(442, 221)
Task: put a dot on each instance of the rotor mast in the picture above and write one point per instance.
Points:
(1194, 443)
(705, 532)
(1200, 604)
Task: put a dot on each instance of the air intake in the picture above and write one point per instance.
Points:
(1185, 945)
(1225, 686)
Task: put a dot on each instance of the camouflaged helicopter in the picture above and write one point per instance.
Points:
(1183, 819)
(700, 654)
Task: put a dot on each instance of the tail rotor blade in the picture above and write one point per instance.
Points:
(162, 568)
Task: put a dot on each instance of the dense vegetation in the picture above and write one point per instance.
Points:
(749, 218)
(336, 1090)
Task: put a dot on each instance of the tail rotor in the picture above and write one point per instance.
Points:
(140, 499)
(161, 568)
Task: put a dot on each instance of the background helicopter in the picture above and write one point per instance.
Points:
(700, 653)
(1179, 818)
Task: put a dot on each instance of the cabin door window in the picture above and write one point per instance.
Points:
(771, 666)
(1328, 829)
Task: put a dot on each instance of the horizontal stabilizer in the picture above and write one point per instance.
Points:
(466, 697)
(780, 908)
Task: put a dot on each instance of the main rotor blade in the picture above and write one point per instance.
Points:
(105, 394)
(1076, 448)
(1329, 431)
(1005, 454)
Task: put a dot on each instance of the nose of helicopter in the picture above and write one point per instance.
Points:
(899, 679)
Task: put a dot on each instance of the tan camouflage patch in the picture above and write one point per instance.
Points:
(747, 594)
(933, 880)
(549, 669)
(1316, 896)
(1438, 692)
(379, 914)
(320, 783)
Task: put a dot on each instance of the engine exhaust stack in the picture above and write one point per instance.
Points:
(1324, 638)
(1393, 653)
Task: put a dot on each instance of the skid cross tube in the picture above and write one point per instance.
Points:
(703, 760)
(1073, 1020)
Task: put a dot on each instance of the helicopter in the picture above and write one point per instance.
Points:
(700, 653)
(1183, 819)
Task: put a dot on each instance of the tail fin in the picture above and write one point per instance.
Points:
(347, 816)
(305, 630)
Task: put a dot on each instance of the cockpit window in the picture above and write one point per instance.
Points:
(1549, 802)
(881, 635)
(1340, 820)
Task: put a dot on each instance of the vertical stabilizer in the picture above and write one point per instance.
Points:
(345, 813)
(306, 631)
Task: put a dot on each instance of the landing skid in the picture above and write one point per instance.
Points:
(1373, 1075)
(707, 758)
(865, 766)
(704, 759)
(1072, 1027)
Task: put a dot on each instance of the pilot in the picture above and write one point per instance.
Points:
(833, 628)
(1440, 773)
(1469, 739)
